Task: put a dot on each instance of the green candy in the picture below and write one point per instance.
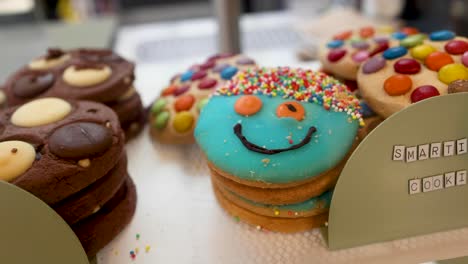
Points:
(412, 40)
(160, 121)
(355, 39)
(158, 106)
(201, 104)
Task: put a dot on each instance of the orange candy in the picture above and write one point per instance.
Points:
(437, 60)
(343, 35)
(169, 90)
(248, 105)
(291, 109)
(184, 103)
(366, 32)
(398, 85)
(409, 30)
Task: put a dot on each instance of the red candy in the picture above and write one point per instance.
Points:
(423, 92)
(198, 75)
(181, 90)
(207, 83)
(343, 35)
(336, 54)
(381, 47)
(207, 65)
(410, 30)
(169, 90)
(407, 66)
(352, 85)
(456, 47)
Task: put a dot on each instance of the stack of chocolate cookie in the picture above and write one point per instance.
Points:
(71, 155)
(85, 74)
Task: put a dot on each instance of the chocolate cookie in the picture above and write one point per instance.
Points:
(2, 99)
(54, 148)
(99, 229)
(89, 200)
(131, 114)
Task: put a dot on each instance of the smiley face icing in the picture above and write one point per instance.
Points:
(278, 125)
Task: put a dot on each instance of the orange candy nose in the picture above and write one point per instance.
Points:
(397, 85)
(291, 109)
(248, 105)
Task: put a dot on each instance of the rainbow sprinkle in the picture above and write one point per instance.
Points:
(303, 85)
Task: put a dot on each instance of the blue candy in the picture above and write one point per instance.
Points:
(366, 111)
(335, 44)
(442, 35)
(228, 72)
(186, 76)
(399, 35)
(395, 52)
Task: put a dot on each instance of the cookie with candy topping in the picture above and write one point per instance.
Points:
(421, 67)
(278, 137)
(174, 114)
(344, 53)
(54, 148)
(91, 74)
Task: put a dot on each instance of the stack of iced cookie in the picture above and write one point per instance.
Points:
(70, 154)
(276, 140)
(86, 74)
(174, 114)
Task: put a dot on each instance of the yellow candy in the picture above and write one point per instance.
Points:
(183, 121)
(422, 51)
(453, 72)
(385, 29)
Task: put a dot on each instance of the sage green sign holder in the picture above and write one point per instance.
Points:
(32, 232)
(371, 202)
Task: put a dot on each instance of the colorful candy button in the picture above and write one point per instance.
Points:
(336, 54)
(182, 89)
(366, 111)
(248, 105)
(351, 84)
(366, 32)
(186, 76)
(407, 66)
(360, 56)
(412, 40)
(158, 105)
(362, 45)
(410, 30)
(245, 61)
(437, 60)
(453, 72)
(456, 47)
(458, 86)
(207, 83)
(464, 59)
(399, 35)
(184, 103)
(343, 35)
(202, 104)
(291, 109)
(228, 72)
(397, 85)
(169, 90)
(423, 92)
(198, 75)
(381, 47)
(207, 65)
(183, 121)
(395, 52)
(220, 56)
(220, 67)
(355, 39)
(442, 35)
(335, 43)
(160, 121)
(420, 52)
(374, 64)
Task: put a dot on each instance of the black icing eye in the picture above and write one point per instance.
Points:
(291, 109)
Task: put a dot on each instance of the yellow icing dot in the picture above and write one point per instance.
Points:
(453, 72)
(422, 51)
(183, 121)
(16, 157)
(41, 112)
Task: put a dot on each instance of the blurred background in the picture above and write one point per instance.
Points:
(163, 35)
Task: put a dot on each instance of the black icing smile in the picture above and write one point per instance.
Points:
(253, 147)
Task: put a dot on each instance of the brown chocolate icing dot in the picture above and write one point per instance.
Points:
(54, 53)
(33, 84)
(458, 86)
(99, 55)
(80, 140)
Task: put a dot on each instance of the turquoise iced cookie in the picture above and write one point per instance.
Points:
(278, 125)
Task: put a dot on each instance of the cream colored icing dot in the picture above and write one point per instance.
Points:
(41, 112)
(43, 63)
(129, 93)
(16, 157)
(2, 97)
(86, 77)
